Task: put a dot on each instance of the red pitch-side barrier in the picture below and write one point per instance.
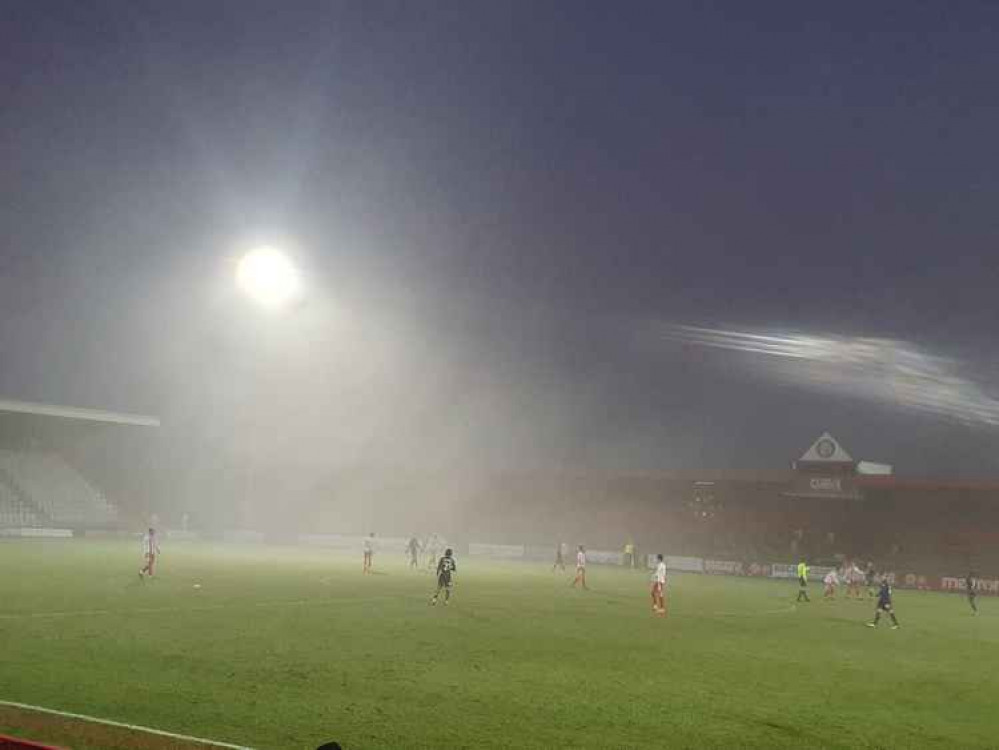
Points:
(13, 743)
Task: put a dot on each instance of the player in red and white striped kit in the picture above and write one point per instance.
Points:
(150, 549)
(659, 587)
(580, 568)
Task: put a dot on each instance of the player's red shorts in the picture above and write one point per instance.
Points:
(657, 588)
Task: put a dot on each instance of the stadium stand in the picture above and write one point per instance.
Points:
(45, 466)
(13, 511)
(42, 486)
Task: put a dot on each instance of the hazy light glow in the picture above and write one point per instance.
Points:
(877, 369)
(269, 278)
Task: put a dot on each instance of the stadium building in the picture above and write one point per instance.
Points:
(67, 471)
(826, 507)
(52, 483)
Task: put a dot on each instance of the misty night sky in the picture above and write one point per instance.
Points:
(496, 206)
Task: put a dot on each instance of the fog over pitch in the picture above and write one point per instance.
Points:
(496, 212)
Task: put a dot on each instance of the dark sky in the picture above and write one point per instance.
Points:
(496, 205)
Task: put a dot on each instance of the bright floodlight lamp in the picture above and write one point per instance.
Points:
(269, 278)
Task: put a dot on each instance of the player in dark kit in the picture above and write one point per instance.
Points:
(884, 605)
(413, 548)
(559, 559)
(969, 585)
(446, 569)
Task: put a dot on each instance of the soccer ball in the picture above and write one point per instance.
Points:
(197, 585)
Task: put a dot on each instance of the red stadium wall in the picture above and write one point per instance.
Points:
(938, 530)
(942, 528)
(13, 743)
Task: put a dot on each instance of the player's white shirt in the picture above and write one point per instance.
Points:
(831, 578)
(369, 544)
(659, 576)
(150, 545)
(580, 559)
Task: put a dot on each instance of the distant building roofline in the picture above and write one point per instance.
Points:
(73, 412)
(916, 483)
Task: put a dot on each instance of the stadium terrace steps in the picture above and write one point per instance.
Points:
(43, 488)
(15, 511)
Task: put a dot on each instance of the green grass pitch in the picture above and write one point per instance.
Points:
(285, 648)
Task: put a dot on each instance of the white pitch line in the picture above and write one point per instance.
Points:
(120, 725)
(203, 608)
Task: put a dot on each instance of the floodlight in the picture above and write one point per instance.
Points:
(269, 278)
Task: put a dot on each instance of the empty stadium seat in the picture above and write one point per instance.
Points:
(46, 484)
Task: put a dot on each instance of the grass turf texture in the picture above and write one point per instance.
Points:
(287, 648)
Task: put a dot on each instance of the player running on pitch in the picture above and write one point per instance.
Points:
(969, 585)
(659, 587)
(884, 605)
(831, 582)
(580, 568)
(150, 549)
(369, 552)
(854, 579)
(446, 569)
(803, 582)
(559, 559)
(413, 548)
